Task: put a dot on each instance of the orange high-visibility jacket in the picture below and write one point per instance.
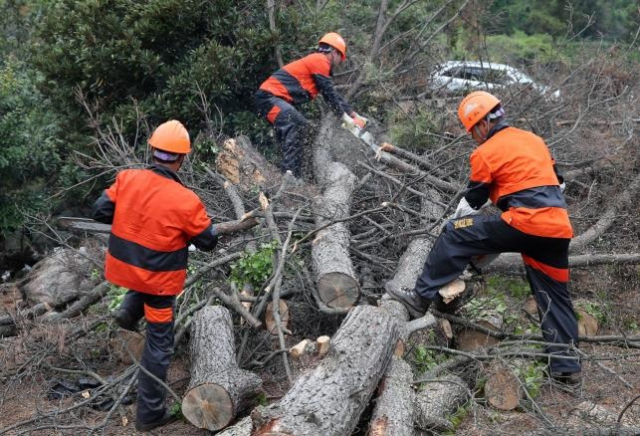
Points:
(154, 218)
(518, 169)
(301, 80)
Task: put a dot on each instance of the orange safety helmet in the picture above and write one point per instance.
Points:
(171, 137)
(335, 40)
(475, 107)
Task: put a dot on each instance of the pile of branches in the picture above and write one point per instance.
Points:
(360, 222)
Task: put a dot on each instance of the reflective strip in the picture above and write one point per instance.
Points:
(557, 274)
(146, 258)
(142, 280)
(273, 114)
(299, 87)
(534, 198)
(274, 87)
(158, 315)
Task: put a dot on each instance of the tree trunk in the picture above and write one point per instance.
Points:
(218, 389)
(328, 401)
(244, 166)
(436, 400)
(393, 414)
(337, 285)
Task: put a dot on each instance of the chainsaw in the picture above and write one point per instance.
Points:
(360, 132)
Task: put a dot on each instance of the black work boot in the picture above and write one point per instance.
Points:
(567, 378)
(148, 426)
(415, 304)
(125, 320)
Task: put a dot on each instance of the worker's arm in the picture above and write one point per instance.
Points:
(105, 206)
(199, 226)
(480, 181)
(331, 96)
(207, 240)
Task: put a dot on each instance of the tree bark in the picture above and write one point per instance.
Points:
(328, 401)
(393, 414)
(436, 400)
(337, 285)
(218, 389)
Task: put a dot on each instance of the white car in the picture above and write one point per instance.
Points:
(463, 76)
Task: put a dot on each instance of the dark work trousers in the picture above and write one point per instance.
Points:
(546, 264)
(293, 130)
(158, 348)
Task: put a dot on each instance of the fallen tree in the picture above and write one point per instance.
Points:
(329, 399)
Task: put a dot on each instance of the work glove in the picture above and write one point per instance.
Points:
(358, 120)
(464, 209)
(562, 187)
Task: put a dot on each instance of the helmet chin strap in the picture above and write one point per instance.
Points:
(478, 133)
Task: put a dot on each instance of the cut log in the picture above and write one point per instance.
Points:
(587, 324)
(323, 343)
(337, 285)
(329, 399)
(437, 399)
(218, 389)
(469, 339)
(393, 414)
(502, 390)
(302, 347)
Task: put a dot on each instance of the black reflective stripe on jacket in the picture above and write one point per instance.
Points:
(331, 96)
(533, 198)
(207, 240)
(146, 258)
(297, 93)
(104, 209)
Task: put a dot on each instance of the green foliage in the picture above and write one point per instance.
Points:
(425, 359)
(254, 268)
(532, 376)
(28, 148)
(261, 399)
(522, 48)
(411, 134)
(613, 19)
(176, 411)
(116, 296)
(597, 310)
(516, 287)
(457, 418)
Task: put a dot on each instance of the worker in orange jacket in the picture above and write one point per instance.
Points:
(299, 82)
(154, 219)
(513, 169)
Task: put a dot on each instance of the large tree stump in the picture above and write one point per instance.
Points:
(393, 414)
(337, 285)
(328, 400)
(218, 389)
(244, 166)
